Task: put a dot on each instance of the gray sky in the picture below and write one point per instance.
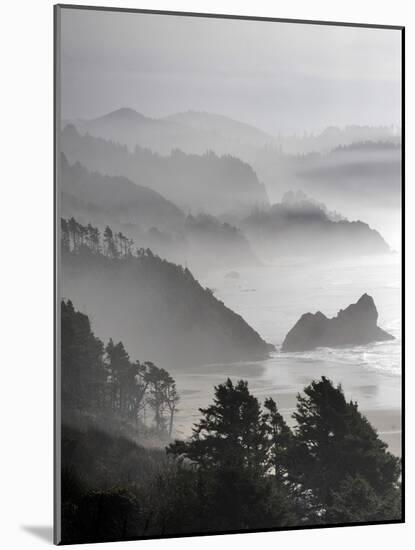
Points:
(280, 77)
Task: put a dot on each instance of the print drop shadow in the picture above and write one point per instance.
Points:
(44, 532)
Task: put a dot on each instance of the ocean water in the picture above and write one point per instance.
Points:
(271, 298)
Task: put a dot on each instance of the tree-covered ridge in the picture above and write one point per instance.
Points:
(191, 131)
(202, 240)
(370, 146)
(243, 468)
(301, 226)
(78, 238)
(156, 307)
(103, 199)
(104, 381)
(330, 468)
(207, 183)
(197, 131)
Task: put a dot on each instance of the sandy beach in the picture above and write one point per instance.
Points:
(283, 376)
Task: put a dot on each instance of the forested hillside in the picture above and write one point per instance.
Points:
(157, 308)
(103, 199)
(301, 226)
(243, 468)
(201, 241)
(197, 183)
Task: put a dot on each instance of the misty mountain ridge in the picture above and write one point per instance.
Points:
(201, 241)
(356, 167)
(376, 160)
(362, 180)
(196, 183)
(368, 171)
(115, 197)
(300, 226)
(296, 226)
(300, 202)
(129, 127)
(192, 131)
(369, 146)
(199, 131)
(123, 113)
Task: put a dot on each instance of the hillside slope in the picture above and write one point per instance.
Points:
(301, 226)
(114, 198)
(197, 183)
(158, 309)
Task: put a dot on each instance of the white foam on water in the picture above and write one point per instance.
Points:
(370, 375)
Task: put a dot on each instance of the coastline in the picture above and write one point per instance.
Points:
(283, 376)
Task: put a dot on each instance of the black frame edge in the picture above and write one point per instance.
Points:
(403, 276)
(228, 16)
(56, 297)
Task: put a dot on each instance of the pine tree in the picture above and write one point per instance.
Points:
(334, 445)
(230, 448)
(231, 432)
(83, 373)
(120, 369)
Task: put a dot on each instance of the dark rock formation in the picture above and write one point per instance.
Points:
(354, 326)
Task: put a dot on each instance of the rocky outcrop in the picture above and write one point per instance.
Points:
(354, 326)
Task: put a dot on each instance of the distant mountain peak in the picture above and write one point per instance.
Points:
(123, 113)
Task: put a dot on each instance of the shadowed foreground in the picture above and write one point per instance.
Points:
(243, 468)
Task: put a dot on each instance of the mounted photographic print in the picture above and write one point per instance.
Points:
(228, 274)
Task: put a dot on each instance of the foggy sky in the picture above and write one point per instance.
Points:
(280, 77)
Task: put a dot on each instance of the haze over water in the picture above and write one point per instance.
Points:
(272, 298)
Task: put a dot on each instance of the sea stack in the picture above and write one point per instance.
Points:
(354, 326)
